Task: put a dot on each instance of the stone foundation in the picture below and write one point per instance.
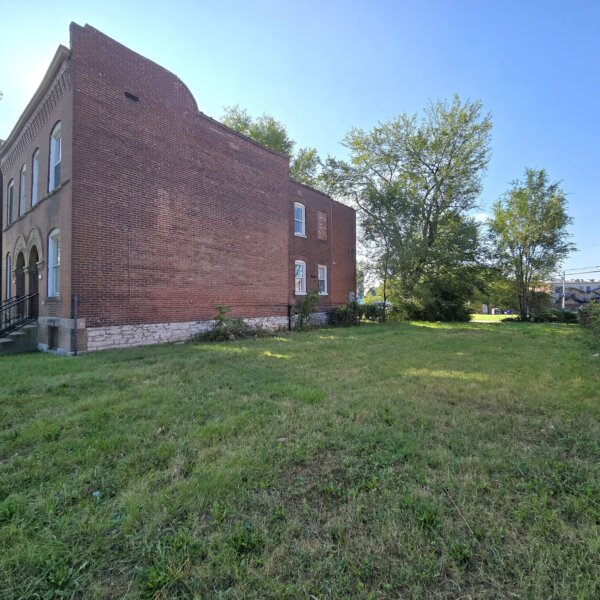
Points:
(127, 336)
(320, 318)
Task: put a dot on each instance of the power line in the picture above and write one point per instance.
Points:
(582, 268)
(559, 275)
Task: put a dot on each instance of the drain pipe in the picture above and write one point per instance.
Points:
(74, 303)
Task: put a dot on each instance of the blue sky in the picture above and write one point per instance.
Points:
(324, 67)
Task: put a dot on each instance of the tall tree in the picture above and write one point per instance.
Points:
(304, 164)
(414, 182)
(529, 231)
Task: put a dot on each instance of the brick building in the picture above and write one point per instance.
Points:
(118, 191)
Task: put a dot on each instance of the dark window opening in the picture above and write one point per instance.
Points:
(52, 338)
(131, 97)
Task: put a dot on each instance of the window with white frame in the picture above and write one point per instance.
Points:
(300, 277)
(299, 219)
(22, 188)
(10, 192)
(55, 157)
(54, 263)
(35, 177)
(8, 277)
(323, 280)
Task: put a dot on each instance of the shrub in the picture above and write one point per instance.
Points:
(347, 315)
(305, 306)
(555, 315)
(589, 317)
(431, 309)
(373, 311)
(227, 328)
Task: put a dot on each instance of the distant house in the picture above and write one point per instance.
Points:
(577, 293)
(125, 203)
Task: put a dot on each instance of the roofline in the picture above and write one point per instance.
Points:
(309, 187)
(61, 55)
(343, 204)
(312, 189)
(242, 135)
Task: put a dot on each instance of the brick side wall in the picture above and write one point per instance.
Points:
(343, 252)
(172, 212)
(312, 250)
(337, 251)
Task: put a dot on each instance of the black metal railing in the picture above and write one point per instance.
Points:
(8, 301)
(16, 312)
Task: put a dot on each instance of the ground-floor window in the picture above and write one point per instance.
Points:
(8, 277)
(323, 280)
(54, 263)
(300, 277)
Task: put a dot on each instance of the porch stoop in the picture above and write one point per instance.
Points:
(24, 339)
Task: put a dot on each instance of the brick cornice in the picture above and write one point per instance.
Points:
(55, 84)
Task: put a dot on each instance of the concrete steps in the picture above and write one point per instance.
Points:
(22, 340)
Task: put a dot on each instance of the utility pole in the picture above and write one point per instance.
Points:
(563, 294)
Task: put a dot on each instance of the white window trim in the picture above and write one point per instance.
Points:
(303, 291)
(35, 177)
(324, 267)
(22, 189)
(53, 265)
(55, 142)
(303, 221)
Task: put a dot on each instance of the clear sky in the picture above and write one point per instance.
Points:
(322, 67)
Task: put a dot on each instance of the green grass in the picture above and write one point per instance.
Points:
(396, 461)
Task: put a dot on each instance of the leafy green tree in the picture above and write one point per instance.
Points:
(304, 164)
(529, 232)
(305, 167)
(414, 182)
(497, 291)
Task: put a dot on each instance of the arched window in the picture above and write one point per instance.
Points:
(54, 263)
(55, 157)
(8, 276)
(22, 188)
(300, 277)
(35, 177)
(299, 219)
(10, 192)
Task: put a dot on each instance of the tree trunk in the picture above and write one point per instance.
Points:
(384, 290)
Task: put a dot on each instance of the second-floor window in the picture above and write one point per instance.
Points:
(22, 188)
(35, 177)
(299, 219)
(10, 192)
(55, 157)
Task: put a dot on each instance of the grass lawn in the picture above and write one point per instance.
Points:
(392, 461)
(480, 318)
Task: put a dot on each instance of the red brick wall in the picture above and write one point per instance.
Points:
(310, 249)
(172, 212)
(52, 210)
(337, 252)
(343, 252)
